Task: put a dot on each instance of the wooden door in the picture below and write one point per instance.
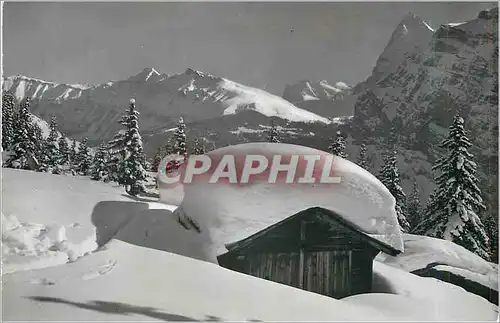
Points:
(328, 272)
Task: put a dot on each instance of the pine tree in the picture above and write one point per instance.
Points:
(64, 152)
(99, 168)
(36, 133)
(414, 207)
(452, 214)
(23, 147)
(389, 176)
(127, 160)
(160, 154)
(83, 158)
(179, 144)
(134, 170)
(199, 146)
(273, 134)
(8, 116)
(50, 156)
(338, 146)
(491, 228)
(362, 159)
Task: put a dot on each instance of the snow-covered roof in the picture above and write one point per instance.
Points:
(327, 216)
(234, 212)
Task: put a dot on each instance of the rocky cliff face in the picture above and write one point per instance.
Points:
(423, 78)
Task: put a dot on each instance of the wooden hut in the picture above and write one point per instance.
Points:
(316, 250)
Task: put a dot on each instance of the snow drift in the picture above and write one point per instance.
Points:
(128, 280)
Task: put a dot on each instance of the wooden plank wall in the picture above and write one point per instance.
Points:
(279, 267)
(328, 273)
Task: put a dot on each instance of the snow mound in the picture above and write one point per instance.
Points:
(27, 246)
(421, 251)
(47, 218)
(438, 301)
(233, 212)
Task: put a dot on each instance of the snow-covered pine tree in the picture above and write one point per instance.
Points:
(389, 176)
(99, 168)
(414, 208)
(50, 156)
(8, 115)
(160, 153)
(199, 146)
(362, 159)
(36, 133)
(83, 158)
(453, 212)
(133, 168)
(180, 138)
(64, 152)
(23, 147)
(491, 227)
(338, 146)
(273, 134)
(73, 152)
(116, 152)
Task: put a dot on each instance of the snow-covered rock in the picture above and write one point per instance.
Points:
(433, 257)
(421, 251)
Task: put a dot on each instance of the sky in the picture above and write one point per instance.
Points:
(267, 45)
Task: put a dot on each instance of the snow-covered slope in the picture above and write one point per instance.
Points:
(126, 280)
(93, 111)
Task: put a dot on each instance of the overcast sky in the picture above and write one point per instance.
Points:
(252, 43)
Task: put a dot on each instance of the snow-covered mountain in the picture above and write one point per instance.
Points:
(321, 90)
(93, 111)
(321, 98)
(422, 79)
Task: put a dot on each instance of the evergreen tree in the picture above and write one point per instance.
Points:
(73, 152)
(116, 154)
(99, 168)
(338, 146)
(23, 148)
(64, 152)
(491, 228)
(199, 146)
(83, 158)
(36, 133)
(160, 153)
(452, 213)
(414, 207)
(8, 116)
(389, 176)
(50, 154)
(273, 134)
(362, 159)
(179, 144)
(127, 160)
(134, 170)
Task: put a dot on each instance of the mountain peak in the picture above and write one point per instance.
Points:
(412, 22)
(145, 75)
